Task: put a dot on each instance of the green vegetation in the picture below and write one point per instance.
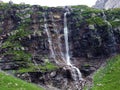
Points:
(85, 10)
(113, 16)
(115, 23)
(108, 77)
(8, 82)
(14, 47)
(16, 51)
(96, 20)
(43, 68)
(3, 6)
(48, 67)
(113, 13)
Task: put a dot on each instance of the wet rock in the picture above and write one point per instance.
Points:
(87, 70)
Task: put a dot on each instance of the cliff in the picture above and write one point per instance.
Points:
(25, 45)
(107, 4)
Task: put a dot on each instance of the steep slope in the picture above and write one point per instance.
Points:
(107, 4)
(8, 82)
(107, 78)
(26, 45)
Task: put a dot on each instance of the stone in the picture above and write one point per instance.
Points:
(91, 27)
(53, 74)
(107, 4)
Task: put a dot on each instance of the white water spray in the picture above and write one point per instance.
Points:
(66, 40)
(75, 71)
(56, 50)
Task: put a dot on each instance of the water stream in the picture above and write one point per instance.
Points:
(56, 50)
(75, 71)
(49, 39)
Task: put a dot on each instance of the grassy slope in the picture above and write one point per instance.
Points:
(8, 82)
(108, 77)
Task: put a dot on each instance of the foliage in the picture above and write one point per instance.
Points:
(43, 68)
(96, 20)
(9, 44)
(113, 14)
(21, 33)
(19, 55)
(107, 78)
(3, 6)
(8, 82)
(48, 67)
(85, 10)
(13, 46)
(115, 23)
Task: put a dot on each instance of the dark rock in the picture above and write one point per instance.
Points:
(87, 70)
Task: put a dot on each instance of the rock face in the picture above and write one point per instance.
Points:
(107, 4)
(25, 48)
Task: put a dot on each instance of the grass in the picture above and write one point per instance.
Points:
(43, 68)
(108, 77)
(8, 82)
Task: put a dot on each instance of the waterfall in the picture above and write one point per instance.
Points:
(49, 38)
(75, 71)
(67, 56)
(57, 54)
(58, 38)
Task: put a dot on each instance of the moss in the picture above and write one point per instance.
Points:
(20, 55)
(21, 33)
(96, 21)
(43, 68)
(40, 13)
(9, 44)
(48, 67)
(30, 68)
(115, 23)
(4, 6)
(13, 47)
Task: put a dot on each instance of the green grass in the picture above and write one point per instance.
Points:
(8, 82)
(108, 77)
(43, 68)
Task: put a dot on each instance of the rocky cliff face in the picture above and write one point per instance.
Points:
(25, 47)
(107, 4)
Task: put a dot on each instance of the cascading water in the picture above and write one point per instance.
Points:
(66, 40)
(76, 74)
(57, 52)
(49, 38)
(58, 38)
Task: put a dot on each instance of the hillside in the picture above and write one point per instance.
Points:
(107, 78)
(50, 46)
(8, 82)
